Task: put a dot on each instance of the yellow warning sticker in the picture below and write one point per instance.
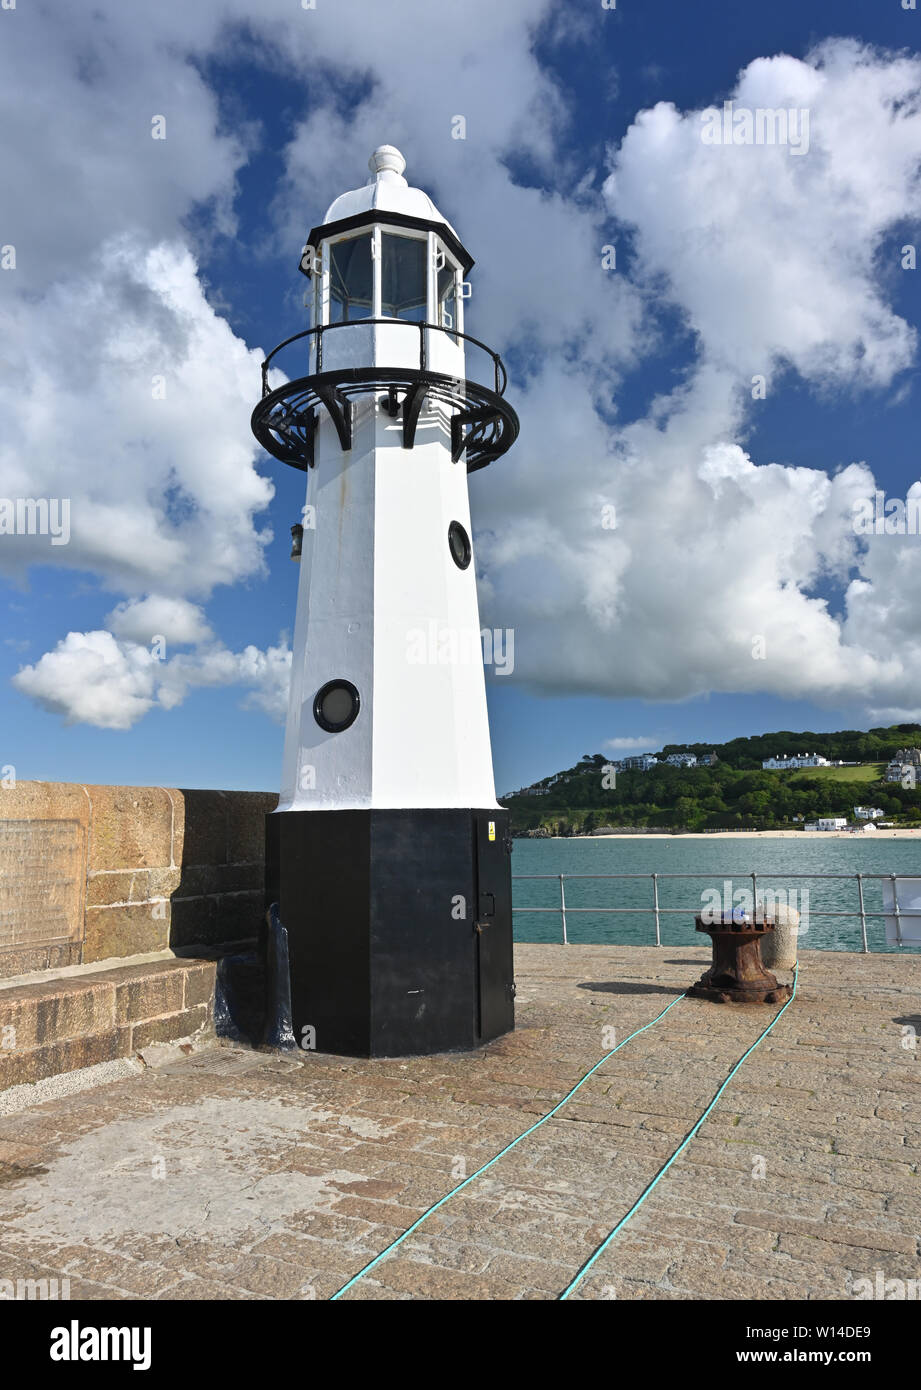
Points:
(492, 829)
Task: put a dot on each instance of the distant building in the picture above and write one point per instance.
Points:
(905, 764)
(786, 764)
(707, 760)
(642, 762)
(831, 823)
(682, 760)
(867, 812)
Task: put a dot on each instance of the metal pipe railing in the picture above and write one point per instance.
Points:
(563, 909)
(896, 912)
(657, 909)
(863, 913)
(499, 372)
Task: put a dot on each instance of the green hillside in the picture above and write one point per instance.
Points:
(849, 745)
(866, 772)
(734, 794)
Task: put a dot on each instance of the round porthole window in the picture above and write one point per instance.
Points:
(459, 545)
(336, 706)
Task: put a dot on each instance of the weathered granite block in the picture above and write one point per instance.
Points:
(205, 837)
(192, 921)
(55, 1010)
(246, 813)
(149, 995)
(132, 827)
(198, 979)
(240, 878)
(19, 1068)
(198, 880)
(130, 886)
(131, 930)
(45, 801)
(239, 915)
(167, 1029)
(21, 960)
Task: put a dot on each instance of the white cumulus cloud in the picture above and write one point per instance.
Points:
(95, 678)
(707, 578)
(172, 619)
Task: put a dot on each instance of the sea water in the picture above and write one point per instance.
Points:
(774, 861)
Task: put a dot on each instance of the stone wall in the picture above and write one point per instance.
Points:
(59, 1024)
(90, 873)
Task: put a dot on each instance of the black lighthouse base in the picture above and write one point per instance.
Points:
(399, 927)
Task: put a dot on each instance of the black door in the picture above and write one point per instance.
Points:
(495, 969)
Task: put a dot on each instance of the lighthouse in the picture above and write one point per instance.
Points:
(388, 857)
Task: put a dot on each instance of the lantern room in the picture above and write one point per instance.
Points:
(384, 256)
(385, 302)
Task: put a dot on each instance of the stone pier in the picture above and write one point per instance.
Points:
(234, 1174)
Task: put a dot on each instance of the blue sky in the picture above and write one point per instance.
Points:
(625, 390)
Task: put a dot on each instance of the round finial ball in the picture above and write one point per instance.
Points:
(386, 158)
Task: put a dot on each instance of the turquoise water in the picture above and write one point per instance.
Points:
(719, 859)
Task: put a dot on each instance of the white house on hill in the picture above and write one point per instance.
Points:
(785, 763)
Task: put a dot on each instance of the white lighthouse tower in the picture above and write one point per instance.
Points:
(389, 856)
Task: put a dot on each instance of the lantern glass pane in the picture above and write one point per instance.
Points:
(403, 277)
(351, 282)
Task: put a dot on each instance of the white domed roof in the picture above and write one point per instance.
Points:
(386, 191)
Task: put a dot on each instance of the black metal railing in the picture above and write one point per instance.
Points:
(500, 375)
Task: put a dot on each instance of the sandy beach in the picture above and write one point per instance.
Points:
(756, 835)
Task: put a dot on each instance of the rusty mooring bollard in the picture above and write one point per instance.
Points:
(737, 974)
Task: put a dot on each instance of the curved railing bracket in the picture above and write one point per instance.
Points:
(483, 424)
